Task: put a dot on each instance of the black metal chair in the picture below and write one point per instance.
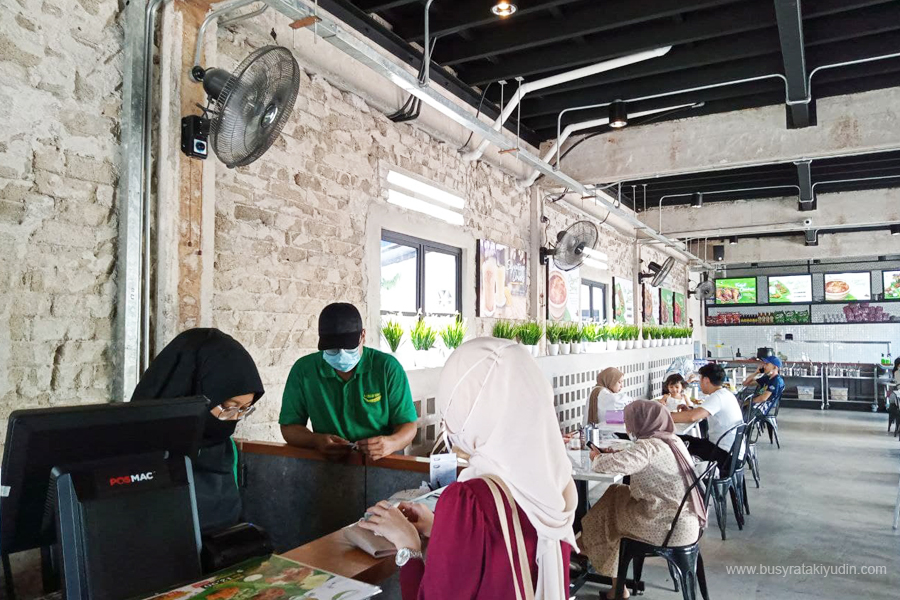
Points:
(751, 456)
(731, 482)
(685, 562)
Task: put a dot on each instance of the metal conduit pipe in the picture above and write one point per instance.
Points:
(426, 51)
(785, 227)
(225, 7)
(752, 189)
(570, 129)
(244, 17)
(540, 84)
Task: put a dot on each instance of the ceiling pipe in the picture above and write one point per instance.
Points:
(570, 129)
(222, 9)
(527, 88)
(752, 189)
(400, 75)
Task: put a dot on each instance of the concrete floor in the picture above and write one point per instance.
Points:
(826, 498)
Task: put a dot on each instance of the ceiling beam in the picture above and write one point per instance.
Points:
(508, 36)
(377, 6)
(467, 14)
(741, 18)
(804, 180)
(790, 32)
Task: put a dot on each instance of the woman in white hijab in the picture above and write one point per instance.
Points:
(498, 409)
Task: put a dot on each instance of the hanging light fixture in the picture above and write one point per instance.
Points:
(719, 253)
(895, 229)
(697, 200)
(504, 8)
(733, 240)
(618, 114)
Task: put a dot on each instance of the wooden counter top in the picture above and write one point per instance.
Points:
(333, 553)
(398, 462)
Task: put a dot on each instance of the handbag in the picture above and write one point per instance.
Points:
(497, 487)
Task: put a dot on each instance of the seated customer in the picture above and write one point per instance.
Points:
(350, 393)
(722, 411)
(769, 386)
(673, 392)
(499, 411)
(661, 472)
(606, 395)
(210, 363)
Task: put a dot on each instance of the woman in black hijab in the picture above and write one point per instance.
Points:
(210, 363)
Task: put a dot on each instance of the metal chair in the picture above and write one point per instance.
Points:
(751, 456)
(685, 562)
(731, 482)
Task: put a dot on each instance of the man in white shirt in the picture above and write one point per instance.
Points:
(722, 411)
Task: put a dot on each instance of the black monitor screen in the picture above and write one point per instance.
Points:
(38, 440)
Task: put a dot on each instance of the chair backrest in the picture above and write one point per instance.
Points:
(736, 448)
(702, 479)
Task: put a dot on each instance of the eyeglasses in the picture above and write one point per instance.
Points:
(235, 413)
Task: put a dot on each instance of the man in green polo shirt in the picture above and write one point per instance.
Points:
(350, 393)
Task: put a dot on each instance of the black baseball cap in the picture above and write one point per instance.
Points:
(340, 327)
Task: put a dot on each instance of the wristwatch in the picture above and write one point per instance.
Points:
(404, 555)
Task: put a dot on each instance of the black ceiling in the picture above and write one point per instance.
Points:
(780, 180)
(713, 41)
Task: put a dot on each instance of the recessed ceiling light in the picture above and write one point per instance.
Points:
(618, 114)
(503, 8)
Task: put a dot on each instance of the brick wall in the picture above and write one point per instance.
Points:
(60, 80)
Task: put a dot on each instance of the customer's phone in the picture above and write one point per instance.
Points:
(592, 445)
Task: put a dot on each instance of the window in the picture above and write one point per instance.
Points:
(593, 301)
(418, 274)
(415, 194)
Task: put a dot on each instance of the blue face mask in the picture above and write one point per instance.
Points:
(342, 360)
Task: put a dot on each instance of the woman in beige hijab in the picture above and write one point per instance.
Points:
(606, 395)
(661, 471)
(498, 410)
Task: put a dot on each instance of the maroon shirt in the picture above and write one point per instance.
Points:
(467, 556)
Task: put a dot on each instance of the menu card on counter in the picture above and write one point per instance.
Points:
(272, 578)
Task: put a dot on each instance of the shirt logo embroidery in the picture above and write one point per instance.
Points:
(372, 398)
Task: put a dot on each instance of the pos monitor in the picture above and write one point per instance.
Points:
(110, 488)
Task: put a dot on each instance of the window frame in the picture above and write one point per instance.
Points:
(591, 285)
(422, 247)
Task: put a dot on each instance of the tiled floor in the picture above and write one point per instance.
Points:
(827, 499)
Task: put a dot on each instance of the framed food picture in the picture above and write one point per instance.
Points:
(623, 301)
(502, 281)
(651, 304)
(679, 309)
(741, 290)
(563, 294)
(891, 285)
(786, 289)
(667, 299)
(847, 287)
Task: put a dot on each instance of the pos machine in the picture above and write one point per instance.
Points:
(107, 492)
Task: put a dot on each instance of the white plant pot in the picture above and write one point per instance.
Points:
(565, 348)
(657, 342)
(621, 345)
(576, 347)
(532, 349)
(645, 343)
(552, 349)
(598, 347)
(632, 344)
(611, 345)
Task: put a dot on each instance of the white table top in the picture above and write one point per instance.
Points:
(581, 468)
(680, 428)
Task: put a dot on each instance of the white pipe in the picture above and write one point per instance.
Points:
(570, 129)
(559, 78)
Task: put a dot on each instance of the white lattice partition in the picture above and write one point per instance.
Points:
(573, 376)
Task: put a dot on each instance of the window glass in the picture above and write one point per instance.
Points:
(440, 282)
(585, 303)
(598, 303)
(399, 274)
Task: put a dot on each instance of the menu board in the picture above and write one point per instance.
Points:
(790, 288)
(680, 309)
(741, 290)
(502, 281)
(891, 285)
(651, 304)
(563, 294)
(844, 287)
(667, 299)
(623, 301)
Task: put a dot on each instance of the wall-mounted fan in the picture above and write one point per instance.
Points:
(249, 107)
(657, 272)
(705, 289)
(573, 246)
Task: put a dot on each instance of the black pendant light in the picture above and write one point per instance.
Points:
(733, 240)
(618, 114)
(697, 200)
(895, 229)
